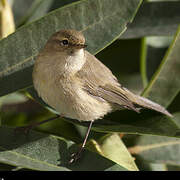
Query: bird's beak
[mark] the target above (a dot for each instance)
(79, 46)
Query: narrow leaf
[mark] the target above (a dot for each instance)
(154, 19)
(157, 149)
(165, 84)
(112, 147)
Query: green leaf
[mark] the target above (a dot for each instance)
(100, 25)
(152, 51)
(173, 167)
(165, 83)
(112, 147)
(13, 98)
(59, 3)
(143, 62)
(30, 10)
(20, 12)
(132, 123)
(38, 9)
(157, 149)
(154, 19)
(39, 151)
(5, 167)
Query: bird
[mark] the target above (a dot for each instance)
(79, 86)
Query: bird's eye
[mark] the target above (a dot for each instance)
(65, 42)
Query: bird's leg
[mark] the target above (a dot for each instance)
(27, 128)
(76, 155)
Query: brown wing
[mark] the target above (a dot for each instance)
(99, 81)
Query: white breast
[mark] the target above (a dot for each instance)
(75, 62)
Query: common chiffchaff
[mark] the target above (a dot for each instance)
(77, 85)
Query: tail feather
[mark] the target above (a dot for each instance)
(144, 102)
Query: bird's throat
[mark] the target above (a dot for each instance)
(75, 61)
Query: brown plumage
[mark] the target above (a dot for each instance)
(101, 82)
(78, 85)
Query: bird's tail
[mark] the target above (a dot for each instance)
(146, 103)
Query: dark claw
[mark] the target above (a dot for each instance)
(75, 156)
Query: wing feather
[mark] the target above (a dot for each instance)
(99, 81)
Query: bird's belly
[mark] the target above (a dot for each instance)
(88, 108)
(74, 103)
